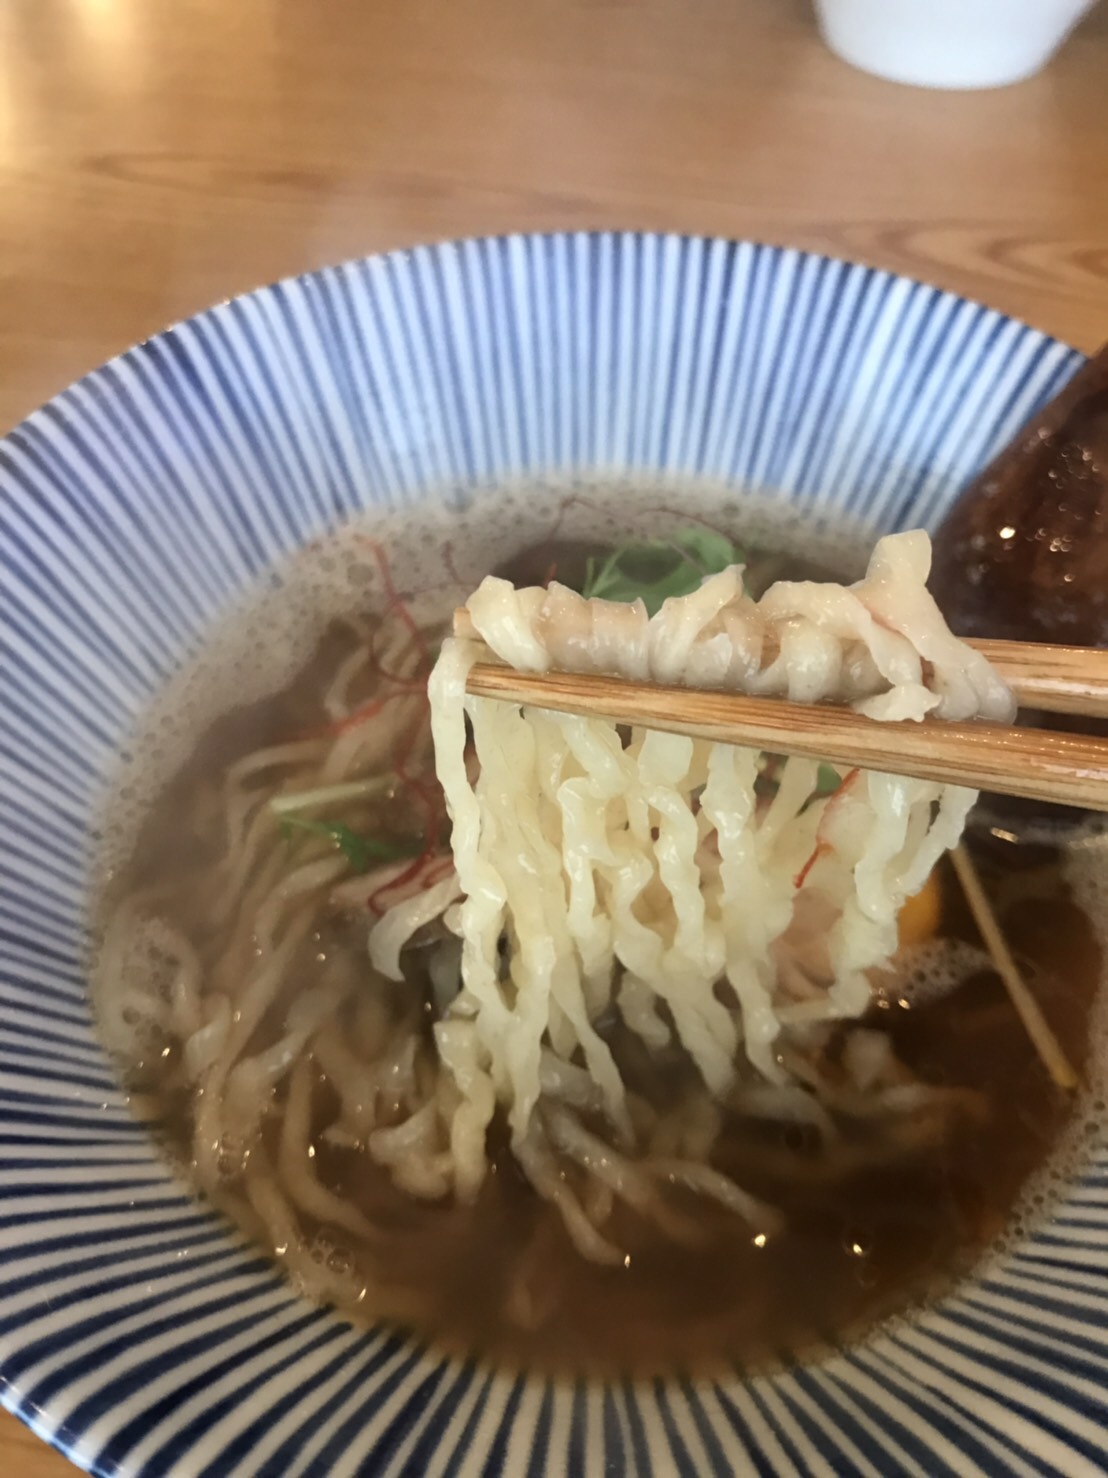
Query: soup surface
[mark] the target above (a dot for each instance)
(880, 1215)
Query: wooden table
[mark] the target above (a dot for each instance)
(157, 155)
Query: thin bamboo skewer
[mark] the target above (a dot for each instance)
(1053, 679)
(1027, 1007)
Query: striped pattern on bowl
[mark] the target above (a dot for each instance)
(136, 1332)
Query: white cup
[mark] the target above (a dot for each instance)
(949, 43)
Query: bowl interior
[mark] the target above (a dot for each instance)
(136, 1332)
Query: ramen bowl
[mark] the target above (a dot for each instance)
(138, 1333)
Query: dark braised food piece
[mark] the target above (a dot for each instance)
(1023, 554)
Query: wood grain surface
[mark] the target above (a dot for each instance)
(158, 155)
(1065, 769)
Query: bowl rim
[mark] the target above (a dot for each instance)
(497, 238)
(9, 1392)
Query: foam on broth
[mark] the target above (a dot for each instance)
(500, 1278)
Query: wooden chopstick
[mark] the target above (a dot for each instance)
(1050, 678)
(1044, 765)
(1053, 679)
(1038, 764)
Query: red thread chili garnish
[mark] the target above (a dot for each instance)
(679, 515)
(441, 870)
(423, 792)
(823, 847)
(359, 716)
(821, 850)
(396, 603)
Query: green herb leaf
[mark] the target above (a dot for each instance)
(711, 550)
(828, 780)
(661, 568)
(360, 851)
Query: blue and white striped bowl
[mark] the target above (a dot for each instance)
(135, 1333)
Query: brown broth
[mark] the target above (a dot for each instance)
(857, 1248)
